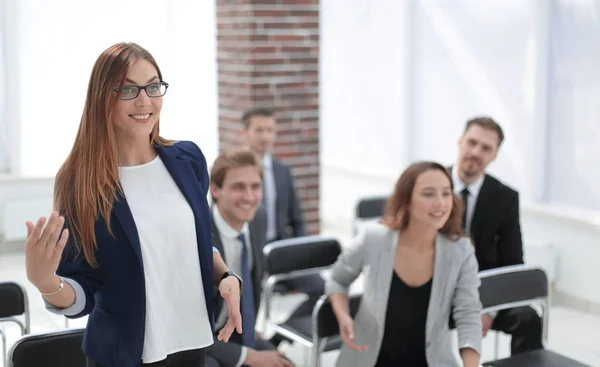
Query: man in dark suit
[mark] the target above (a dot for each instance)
(492, 221)
(284, 216)
(239, 228)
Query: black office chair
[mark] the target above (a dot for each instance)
(325, 328)
(367, 210)
(517, 286)
(13, 304)
(296, 258)
(53, 349)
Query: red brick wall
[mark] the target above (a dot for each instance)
(268, 56)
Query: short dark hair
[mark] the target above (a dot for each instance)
(486, 123)
(249, 114)
(232, 159)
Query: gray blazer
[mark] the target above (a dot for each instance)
(455, 287)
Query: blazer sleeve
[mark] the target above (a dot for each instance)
(294, 212)
(466, 303)
(348, 266)
(510, 243)
(74, 267)
(202, 170)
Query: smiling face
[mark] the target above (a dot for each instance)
(432, 199)
(239, 196)
(135, 118)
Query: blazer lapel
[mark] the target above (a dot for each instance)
(437, 287)
(384, 268)
(123, 214)
(217, 238)
(257, 243)
(480, 206)
(278, 178)
(183, 175)
(187, 181)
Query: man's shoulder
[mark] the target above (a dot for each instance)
(279, 164)
(282, 171)
(260, 215)
(259, 222)
(187, 148)
(499, 187)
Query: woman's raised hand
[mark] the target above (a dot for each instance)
(45, 243)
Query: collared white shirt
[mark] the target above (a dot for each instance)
(232, 247)
(270, 195)
(474, 189)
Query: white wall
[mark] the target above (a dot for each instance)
(400, 79)
(51, 48)
(365, 102)
(400, 89)
(16, 191)
(363, 78)
(574, 234)
(58, 43)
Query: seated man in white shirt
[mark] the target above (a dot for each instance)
(239, 229)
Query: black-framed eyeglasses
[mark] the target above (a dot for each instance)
(153, 90)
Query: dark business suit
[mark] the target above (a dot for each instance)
(496, 233)
(115, 297)
(227, 354)
(288, 220)
(289, 223)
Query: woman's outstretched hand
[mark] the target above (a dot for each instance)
(45, 243)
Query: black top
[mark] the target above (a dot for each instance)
(404, 337)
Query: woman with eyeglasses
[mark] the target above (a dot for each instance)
(136, 253)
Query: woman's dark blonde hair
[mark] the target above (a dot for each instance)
(396, 216)
(88, 183)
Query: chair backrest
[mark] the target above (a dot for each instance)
(52, 349)
(300, 255)
(516, 286)
(293, 258)
(371, 207)
(14, 303)
(368, 210)
(325, 323)
(501, 288)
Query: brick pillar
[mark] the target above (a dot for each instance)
(268, 56)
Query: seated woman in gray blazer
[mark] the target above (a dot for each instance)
(418, 268)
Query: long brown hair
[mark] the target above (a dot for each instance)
(396, 216)
(87, 184)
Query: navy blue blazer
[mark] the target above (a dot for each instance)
(115, 291)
